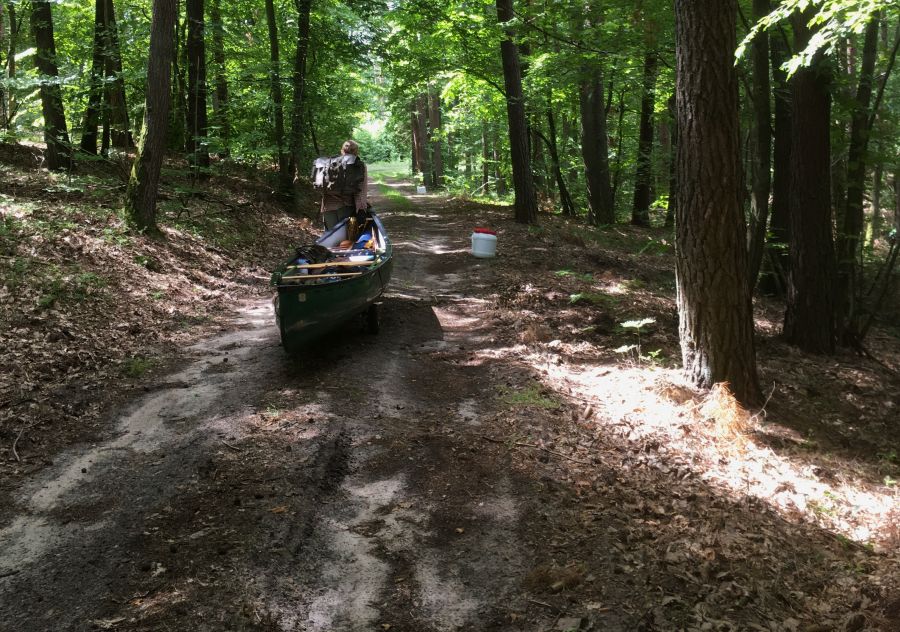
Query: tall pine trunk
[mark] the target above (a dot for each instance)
(525, 199)
(849, 236)
(222, 119)
(56, 134)
(143, 185)
(282, 157)
(640, 211)
(761, 179)
(809, 317)
(197, 148)
(568, 208)
(714, 300)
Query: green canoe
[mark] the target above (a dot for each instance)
(314, 297)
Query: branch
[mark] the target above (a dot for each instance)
(884, 79)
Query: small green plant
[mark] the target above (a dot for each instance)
(157, 295)
(890, 482)
(569, 273)
(137, 366)
(637, 326)
(593, 298)
(655, 247)
(528, 396)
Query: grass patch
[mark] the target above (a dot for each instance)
(593, 298)
(394, 198)
(138, 366)
(529, 396)
(381, 170)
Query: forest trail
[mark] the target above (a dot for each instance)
(346, 490)
(462, 470)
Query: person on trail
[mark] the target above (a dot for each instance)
(337, 205)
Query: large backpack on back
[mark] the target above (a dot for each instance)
(339, 174)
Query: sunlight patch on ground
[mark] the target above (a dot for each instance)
(646, 404)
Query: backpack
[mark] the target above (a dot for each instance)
(339, 174)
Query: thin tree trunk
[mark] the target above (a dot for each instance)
(119, 122)
(424, 156)
(876, 203)
(140, 196)
(499, 179)
(298, 79)
(777, 260)
(282, 157)
(177, 140)
(56, 134)
(4, 114)
(11, 63)
(485, 159)
(98, 71)
(809, 317)
(714, 299)
(220, 100)
(198, 151)
(673, 180)
(640, 211)
(525, 199)
(414, 139)
(434, 123)
(761, 179)
(220, 96)
(568, 208)
(620, 134)
(847, 249)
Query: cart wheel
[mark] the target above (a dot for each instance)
(372, 324)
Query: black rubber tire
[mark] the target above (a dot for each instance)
(373, 326)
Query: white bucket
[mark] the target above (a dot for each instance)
(484, 245)
(420, 190)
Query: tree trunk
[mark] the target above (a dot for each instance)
(197, 148)
(640, 212)
(620, 135)
(525, 199)
(568, 208)
(847, 250)
(714, 299)
(140, 197)
(434, 123)
(4, 122)
(809, 317)
(177, 140)
(117, 108)
(424, 156)
(298, 79)
(220, 97)
(98, 71)
(877, 178)
(13, 49)
(673, 161)
(761, 179)
(414, 139)
(778, 258)
(282, 157)
(595, 149)
(499, 179)
(56, 134)
(485, 159)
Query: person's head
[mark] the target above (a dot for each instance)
(350, 147)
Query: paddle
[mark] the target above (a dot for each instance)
(300, 277)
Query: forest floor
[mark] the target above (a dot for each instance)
(515, 450)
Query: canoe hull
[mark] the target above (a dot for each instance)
(306, 310)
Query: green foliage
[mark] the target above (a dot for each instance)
(530, 395)
(138, 366)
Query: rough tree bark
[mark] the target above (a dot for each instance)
(98, 71)
(809, 317)
(140, 196)
(523, 183)
(119, 124)
(595, 148)
(714, 299)
(197, 148)
(56, 135)
(282, 157)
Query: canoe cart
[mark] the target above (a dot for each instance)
(339, 277)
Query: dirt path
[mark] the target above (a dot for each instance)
(342, 491)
